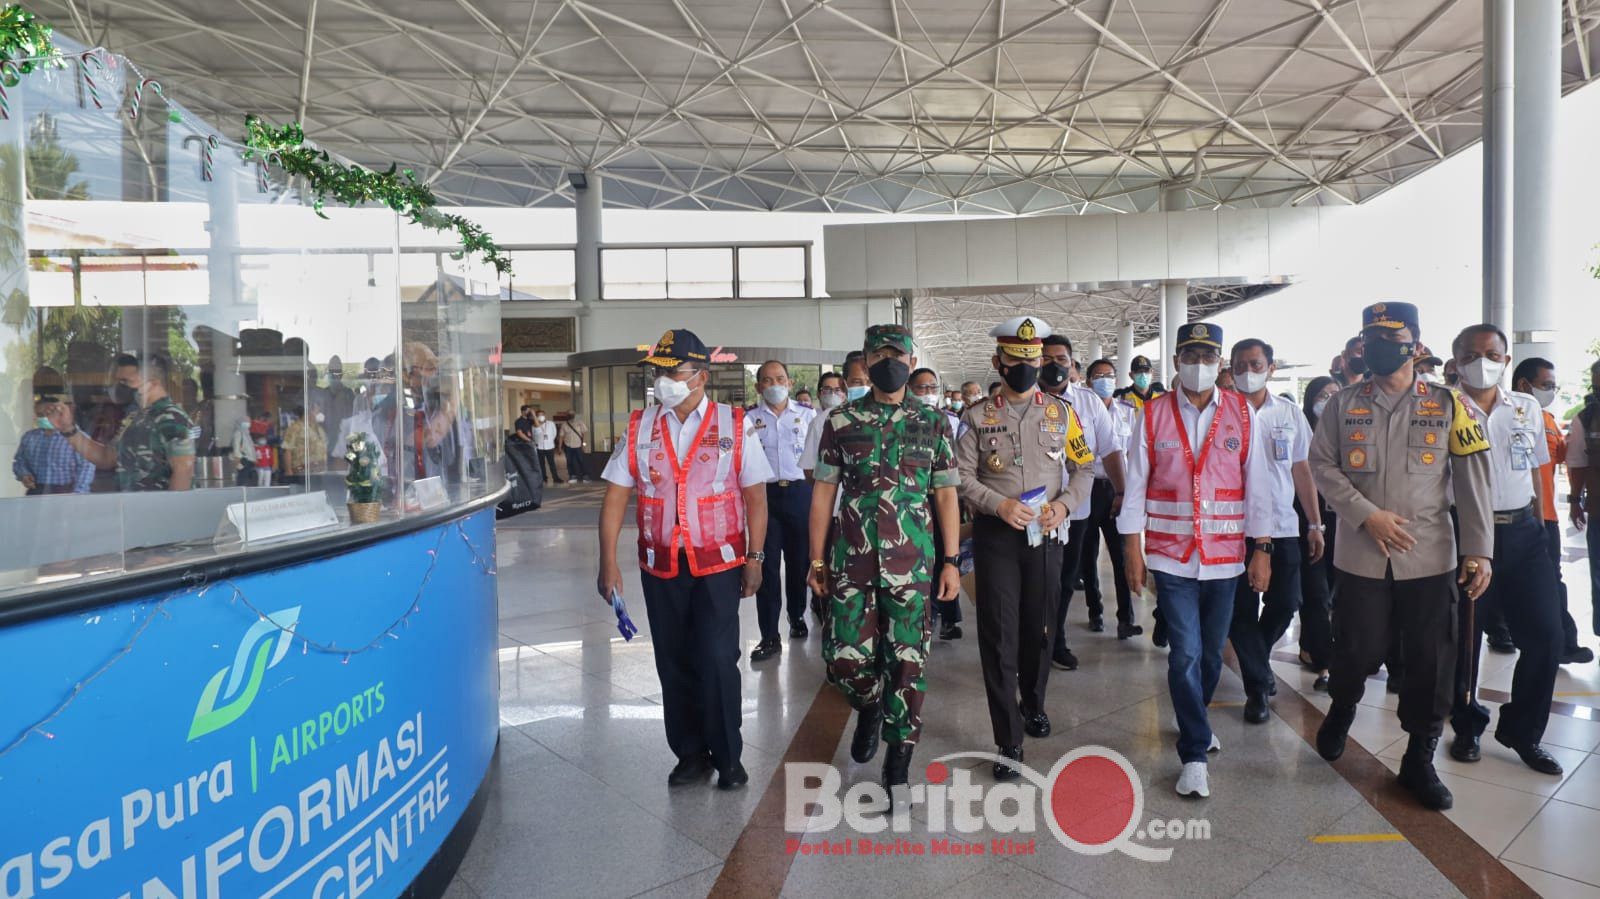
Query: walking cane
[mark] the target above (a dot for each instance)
(1478, 715)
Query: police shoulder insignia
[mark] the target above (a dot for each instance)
(1052, 411)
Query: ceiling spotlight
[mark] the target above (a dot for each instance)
(578, 180)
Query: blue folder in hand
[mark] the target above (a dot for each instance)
(625, 625)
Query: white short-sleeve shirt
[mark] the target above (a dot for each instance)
(1517, 447)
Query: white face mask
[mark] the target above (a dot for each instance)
(776, 395)
(1250, 381)
(830, 399)
(1545, 396)
(1482, 373)
(929, 399)
(1320, 406)
(671, 393)
(1198, 378)
(321, 418)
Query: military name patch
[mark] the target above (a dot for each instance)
(1001, 429)
(1167, 444)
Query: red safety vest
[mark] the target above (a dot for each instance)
(693, 505)
(1189, 497)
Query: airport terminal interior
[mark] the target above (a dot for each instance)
(586, 448)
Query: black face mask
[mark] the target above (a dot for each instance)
(1020, 378)
(123, 395)
(1356, 366)
(1053, 375)
(1385, 357)
(889, 375)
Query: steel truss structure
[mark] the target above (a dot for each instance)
(950, 106)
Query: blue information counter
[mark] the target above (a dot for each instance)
(319, 728)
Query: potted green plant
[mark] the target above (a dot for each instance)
(363, 482)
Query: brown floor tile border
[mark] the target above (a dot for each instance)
(1471, 868)
(758, 864)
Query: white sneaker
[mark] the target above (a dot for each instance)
(1194, 781)
(1216, 744)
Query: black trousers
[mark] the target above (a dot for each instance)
(1569, 628)
(1525, 591)
(547, 462)
(1316, 596)
(1259, 619)
(1364, 619)
(1018, 586)
(1102, 527)
(788, 543)
(694, 627)
(1071, 559)
(575, 467)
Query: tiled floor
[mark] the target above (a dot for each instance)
(581, 807)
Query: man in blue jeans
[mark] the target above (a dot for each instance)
(1198, 483)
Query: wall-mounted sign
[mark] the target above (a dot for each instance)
(539, 335)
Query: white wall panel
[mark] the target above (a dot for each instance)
(1142, 246)
(1292, 239)
(1192, 244)
(1092, 248)
(941, 254)
(992, 252)
(891, 256)
(844, 249)
(1042, 249)
(1242, 249)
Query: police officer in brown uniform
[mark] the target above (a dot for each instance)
(1018, 441)
(1387, 452)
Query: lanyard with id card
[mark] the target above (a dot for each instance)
(1282, 439)
(1522, 455)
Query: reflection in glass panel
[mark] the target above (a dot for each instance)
(699, 272)
(633, 274)
(772, 272)
(543, 275)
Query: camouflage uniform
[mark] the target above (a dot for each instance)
(147, 441)
(888, 460)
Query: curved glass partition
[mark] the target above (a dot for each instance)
(190, 350)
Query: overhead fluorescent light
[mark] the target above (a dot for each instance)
(542, 382)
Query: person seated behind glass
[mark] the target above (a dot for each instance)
(154, 445)
(45, 462)
(305, 446)
(429, 442)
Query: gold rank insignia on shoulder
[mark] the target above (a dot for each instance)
(995, 463)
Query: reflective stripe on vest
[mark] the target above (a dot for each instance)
(688, 505)
(1188, 497)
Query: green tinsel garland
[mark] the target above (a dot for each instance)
(399, 190)
(25, 45)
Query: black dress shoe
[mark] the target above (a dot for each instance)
(732, 778)
(1124, 631)
(1321, 683)
(1465, 748)
(897, 765)
(1003, 771)
(1256, 710)
(869, 721)
(1332, 734)
(950, 632)
(693, 769)
(1579, 655)
(1097, 623)
(1158, 635)
(764, 650)
(1533, 755)
(798, 629)
(1036, 725)
(1064, 659)
(1502, 643)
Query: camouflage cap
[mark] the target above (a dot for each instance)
(897, 336)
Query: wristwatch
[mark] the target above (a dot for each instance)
(1264, 546)
(818, 564)
(1317, 526)
(951, 560)
(757, 556)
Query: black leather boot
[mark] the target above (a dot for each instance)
(897, 765)
(1333, 732)
(864, 745)
(1418, 776)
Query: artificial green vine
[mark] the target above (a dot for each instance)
(352, 185)
(25, 45)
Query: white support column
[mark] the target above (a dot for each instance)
(1497, 161)
(1095, 352)
(229, 403)
(589, 236)
(1174, 293)
(1124, 352)
(1537, 86)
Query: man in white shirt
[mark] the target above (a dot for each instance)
(1099, 432)
(781, 426)
(696, 562)
(1207, 449)
(1260, 618)
(833, 390)
(1530, 600)
(544, 440)
(1106, 503)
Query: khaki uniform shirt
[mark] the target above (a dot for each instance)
(1404, 453)
(1007, 449)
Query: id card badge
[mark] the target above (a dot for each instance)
(649, 557)
(1521, 451)
(1281, 440)
(727, 553)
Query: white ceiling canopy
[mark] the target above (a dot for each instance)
(957, 106)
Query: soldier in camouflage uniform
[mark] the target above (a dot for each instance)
(154, 447)
(887, 452)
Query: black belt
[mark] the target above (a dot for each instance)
(794, 483)
(1514, 516)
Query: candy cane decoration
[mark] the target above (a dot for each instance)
(10, 76)
(138, 96)
(90, 56)
(261, 175)
(207, 173)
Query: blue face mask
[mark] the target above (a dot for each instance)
(855, 393)
(1142, 380)
(44, 423)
